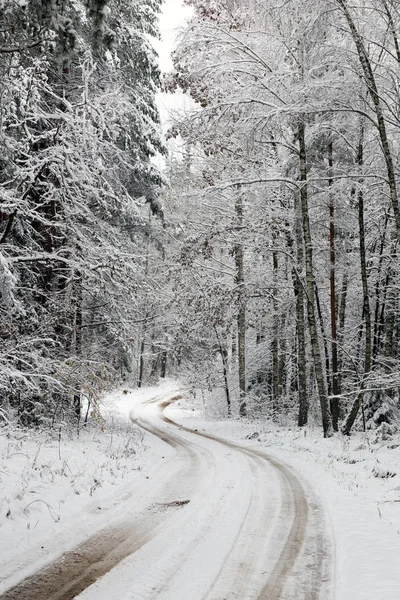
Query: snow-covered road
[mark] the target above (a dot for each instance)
(218, 522)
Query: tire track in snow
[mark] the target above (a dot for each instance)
(302, 562)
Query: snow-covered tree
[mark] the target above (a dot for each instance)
(79, 129)
(297, 109)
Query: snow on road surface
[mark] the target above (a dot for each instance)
(217, 521)
(205, 509)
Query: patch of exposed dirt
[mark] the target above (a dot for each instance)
(76, 570)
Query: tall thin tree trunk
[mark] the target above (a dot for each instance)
(376, 334)
(324, 339)
(341, 321)
(141, 361)
(351, 417)
(300, 320)
(241, 316)
(275, 344)
(382, 311)
(282, 356)
(144, 329)
(390, 319)
(334, 401)
(78, 338)
(312, 322)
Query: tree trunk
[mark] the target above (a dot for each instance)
(376, 334)
(282, 370)
(341, 321)
(324, 339)
(155, 360)
(300, 320)
(382, 312)
(234, 343)
(335, 391)
(164, 356)
(8, 227)
(78, 339)
(242, 360)
(225, 369)
(390, 319)
(241, 317)
(366, 303)
(312, 323)
(275, 345)
(141, 362)
(144, 329)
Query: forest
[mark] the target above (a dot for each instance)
(251, 248)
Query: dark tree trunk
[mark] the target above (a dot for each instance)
(351, 417)
(241, 317)
(141, 363)
(335, 391)
(275, 343)
(282, 368)
(78, 338)
(8, 227)
(300, 319)
(378, 292)
(341, 320)
(324, 339)
(312, 322)
(164, 356)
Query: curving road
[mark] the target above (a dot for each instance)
(221, 522)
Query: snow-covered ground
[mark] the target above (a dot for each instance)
(58, 488)
(56, 491)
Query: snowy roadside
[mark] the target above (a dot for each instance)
(58, 488)
(357, 480)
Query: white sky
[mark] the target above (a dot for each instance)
(173, 17)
